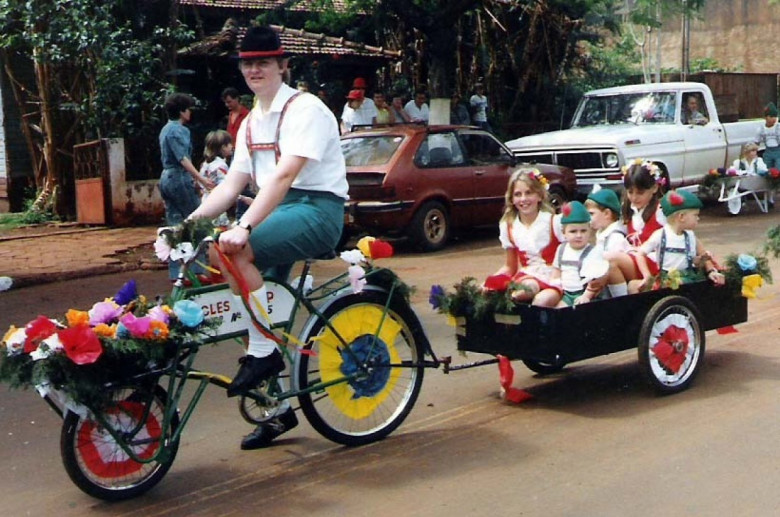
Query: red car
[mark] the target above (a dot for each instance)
(425, 181)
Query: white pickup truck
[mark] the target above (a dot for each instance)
(612, 126)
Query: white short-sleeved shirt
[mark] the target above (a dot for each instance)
(421, 113)
(364, 115)
(309, 130)
(672, 260)
(745, 168)
(534, 238)
(480, 104)
(215, 170)
(613, 238)
(571, 278)
(769, 136)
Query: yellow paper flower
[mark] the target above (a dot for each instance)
(364, 245)
(104, 330)
(750, 284)
(76, 318)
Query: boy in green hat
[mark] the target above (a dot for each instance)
(769, 135)
(581, 268)
(603, 205)
(676, 246)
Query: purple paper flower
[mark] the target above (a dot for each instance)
(138, 327)
(104, 312)
(157, 313)
(437, 293)
(127, 293)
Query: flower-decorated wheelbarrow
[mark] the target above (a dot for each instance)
(667, 326)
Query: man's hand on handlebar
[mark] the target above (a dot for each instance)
(233, 240)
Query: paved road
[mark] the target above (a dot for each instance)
(594, 441)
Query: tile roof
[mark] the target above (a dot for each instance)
(264, 5)
(295, 41)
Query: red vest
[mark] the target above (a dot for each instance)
(547, 253)
(650, 226)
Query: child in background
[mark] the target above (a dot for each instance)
(748, 164)
(641, 209)
(529, 232)
(219, 146)
(603, 206)
(676, 245)
(578, 261)
(383, 113)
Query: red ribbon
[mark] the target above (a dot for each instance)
(506, 375)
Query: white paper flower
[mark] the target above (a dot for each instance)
(352, 257)
(47, 347)
(162, 249)
(357, 278)
(182, 251)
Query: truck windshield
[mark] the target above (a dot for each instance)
(627, 108)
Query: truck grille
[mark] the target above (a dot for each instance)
(580, 160)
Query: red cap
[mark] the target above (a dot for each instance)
(355, 95)
(359, 82)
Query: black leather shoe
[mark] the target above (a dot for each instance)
(253, 370)
(264, 433)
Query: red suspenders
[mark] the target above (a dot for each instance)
(266, 146)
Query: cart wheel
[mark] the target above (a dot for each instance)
(543, 367)
(377, 349)
(257, 412)
(99, 466)
(671, 344)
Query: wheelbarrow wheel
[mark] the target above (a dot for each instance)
(671, 344)
(97, 463)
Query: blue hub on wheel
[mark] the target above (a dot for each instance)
(366, 350)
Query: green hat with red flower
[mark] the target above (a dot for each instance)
(574, 212)
(606, 198)
(676, 200)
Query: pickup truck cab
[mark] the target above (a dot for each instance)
(674, 125)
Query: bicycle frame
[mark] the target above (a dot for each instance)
(285, 304)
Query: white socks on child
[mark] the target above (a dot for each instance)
(616, 290)
(259, 345)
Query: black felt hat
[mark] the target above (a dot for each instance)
(261, 42)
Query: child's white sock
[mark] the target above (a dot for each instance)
(259, 345)
(616, 290)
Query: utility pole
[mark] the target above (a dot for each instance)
(685, 67)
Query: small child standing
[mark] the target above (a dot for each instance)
(219, 147)
(603, 206)
(676, 245)
(576, 260)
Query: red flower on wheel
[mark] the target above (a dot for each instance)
(672, 348)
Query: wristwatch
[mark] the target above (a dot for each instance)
(245, 225)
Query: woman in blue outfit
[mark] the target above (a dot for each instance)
(179, 175)
(289, 146)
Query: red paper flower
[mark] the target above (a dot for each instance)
(672, 348)
(497, 282)
(38, 330)
(676, 199)
(81, 344)
(774, 172)
(380, 249)
(566, 210)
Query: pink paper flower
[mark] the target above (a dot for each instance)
(104, 312)
(138, 327)
(157, 313)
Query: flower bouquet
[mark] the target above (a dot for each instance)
(77, 357)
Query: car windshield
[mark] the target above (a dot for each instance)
(369, 150)
(627, 108)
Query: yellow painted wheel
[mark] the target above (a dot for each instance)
(368, 363)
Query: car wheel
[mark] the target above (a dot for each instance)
(430, 228)
(557, 197)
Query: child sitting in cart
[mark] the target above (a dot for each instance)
(748, 164)
(603, 206)
(579, 265)
(676, 245)
(530, 233)
(641, 213)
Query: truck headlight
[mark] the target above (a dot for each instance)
(611, 160)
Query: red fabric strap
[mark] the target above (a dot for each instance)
(261, 53)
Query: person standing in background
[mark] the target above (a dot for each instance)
(237, 112)
(417, 109)
(459, 113)
(479, 107)
(769, 135)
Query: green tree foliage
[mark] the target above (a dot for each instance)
(99, 68)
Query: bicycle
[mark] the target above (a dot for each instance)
(356, 376)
